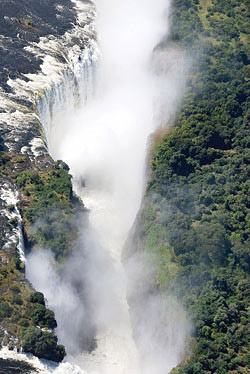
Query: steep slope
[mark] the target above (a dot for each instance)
(194, 223)
(41, 43)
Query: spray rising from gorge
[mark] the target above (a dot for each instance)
(104, 142)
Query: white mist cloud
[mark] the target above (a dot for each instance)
(62, 296)
(161, 327)
(105, 144)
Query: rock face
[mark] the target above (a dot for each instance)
(43, 43)
(15, 367)
(46, 18)
(32, 61)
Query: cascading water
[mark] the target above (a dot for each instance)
(98, 119)
(75, 87)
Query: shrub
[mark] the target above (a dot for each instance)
(13, 221)
(15, 289)
(19, 265)
(43, 317)
(5, 310)
(24, 322)
(16, 299)
(4, 158)
(37, 297)
(42, 344)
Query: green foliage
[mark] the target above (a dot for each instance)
(39, 313)
(52, 207)
(15, 289)
(49, 212)
(5, 310)
(23, 322)
(42, 344)
(185, 25)
(4, 158)
(61, 165)
(17, 299)
(29, 22)
(37, 297)
(20, 159)
(58, 181)
(196, 216)
(43, 317)
(13, 221)
(19, 265)
(21, 310)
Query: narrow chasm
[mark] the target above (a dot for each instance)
(98, 107)
(134, 88)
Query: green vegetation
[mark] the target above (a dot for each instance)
(5, 310)
(49, 209)
(43, 317)
(13, 221)
(197, 210)
(23, 314)
(4, 158)
(37, 297)
(42, 344)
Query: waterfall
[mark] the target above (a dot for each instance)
(74, 89)
(9, 195)
(74, 95)
(97, 113)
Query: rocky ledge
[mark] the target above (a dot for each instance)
(40, 41)
(15, 367)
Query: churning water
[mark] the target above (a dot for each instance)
(97, 117)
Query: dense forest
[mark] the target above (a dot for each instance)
(196, 215)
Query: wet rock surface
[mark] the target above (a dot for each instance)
(40, 41)
(30, 34)
(15, 367)
(51, 17)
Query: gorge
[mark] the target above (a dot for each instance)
(97, 116)
(138, 236)
(104, 143)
